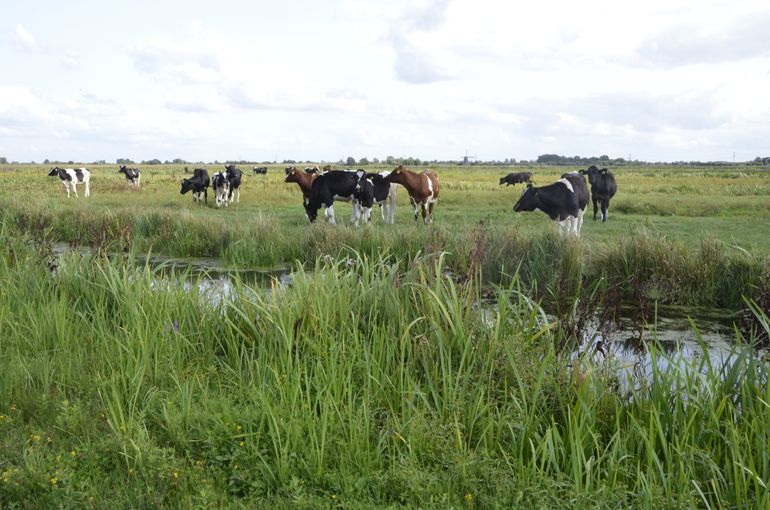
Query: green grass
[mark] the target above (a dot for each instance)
(377, 379)
(369, 382)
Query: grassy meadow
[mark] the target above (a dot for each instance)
(404, 366)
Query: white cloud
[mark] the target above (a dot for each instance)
(25, 40)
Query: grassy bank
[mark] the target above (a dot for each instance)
(373, 382)
(641, 266)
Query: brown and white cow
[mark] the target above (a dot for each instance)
(422, 188)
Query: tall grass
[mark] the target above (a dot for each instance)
(370, 381)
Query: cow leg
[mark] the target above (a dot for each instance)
(596, 205)
(355, 214)
(605, 206)
(415, 208)
(330, 215)
(430, 211)
(579, 220)
(75, 190)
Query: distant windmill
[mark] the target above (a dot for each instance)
(466, 158)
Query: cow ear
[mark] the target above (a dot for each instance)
(582, 172)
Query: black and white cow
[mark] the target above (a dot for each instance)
(221, 187)
(234, 175)
(70, 177)
(558, 200)
(312, 169)
(198, 184)
(259, 170)
(363, 199)
(331, 186)
(516, 178)
(581, 190)
(133, 175)
(603, 188)
(385, 194)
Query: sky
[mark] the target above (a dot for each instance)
(660, 80)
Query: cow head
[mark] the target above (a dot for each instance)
(528, 201)
(186, 186)
(54, 171)
(291, 174)
(361, 175)
(397, 175)
(592, 172)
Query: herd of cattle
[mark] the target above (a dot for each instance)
(564, 201)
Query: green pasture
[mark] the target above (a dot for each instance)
(686, 203)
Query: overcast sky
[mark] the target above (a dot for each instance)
(323, 80)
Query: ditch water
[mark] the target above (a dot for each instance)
(681, 333)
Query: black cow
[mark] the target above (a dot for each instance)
(516, 178)
(603, 188)
(259, 170)
(234, 178)
(558, 200)
(327, 187)
(133, 175)
(198, 183)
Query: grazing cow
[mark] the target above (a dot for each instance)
(199, 184)
(133, 175)
(384, 196)
(558, 200)
(336, 185)
(70, 177)
(312, 169)
(422, 188)
(363, 199)
(303, 180)
(259, 170)
(234, 178)
(516, 178)
(221, 188)
(581, 191)
(603, 188)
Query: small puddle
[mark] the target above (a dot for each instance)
(214, 280)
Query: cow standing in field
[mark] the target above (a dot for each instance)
(337, 185)
(259, 170)
(133, 175)
(70, 177)
(581, 191)
(198, 183)
(384, 196)
(516, 178)
(558, 200)
(603, 188)
(221, 187)
(312, 169)
(234, 175)
(422, 187)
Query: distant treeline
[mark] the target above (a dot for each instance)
(543, 159)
